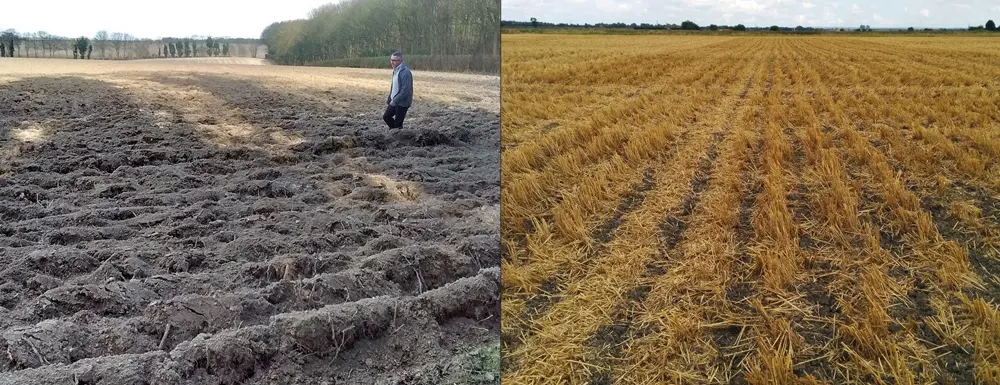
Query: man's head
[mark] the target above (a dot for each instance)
(396, 59)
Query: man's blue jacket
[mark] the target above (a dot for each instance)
(403, 82)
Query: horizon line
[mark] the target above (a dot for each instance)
(745, 24)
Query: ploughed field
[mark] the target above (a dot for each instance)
(750, 209)
(173, 222)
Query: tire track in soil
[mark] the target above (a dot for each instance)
(815, 334)
(539, 303)
(609, 339)
(920, 297)
(958, 363)
(954, 229)
(607, 342)
(817, 291)
(892, 242)
(741, 288)
(550, 291)
(728, 340)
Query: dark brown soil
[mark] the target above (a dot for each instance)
(740, 288)
(136, 248)
(955, 367)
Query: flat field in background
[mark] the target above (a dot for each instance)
(202, 221)
(750, 209)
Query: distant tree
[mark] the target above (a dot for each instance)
(209, 43)
(101, 39)
(117, 43)
(740, 27)
(689, 25)
(166, 51)
(75, 55)
(80, 45)
(90, 49)
(774, 28)
(187, 48)
(173, 49)
(12, 39)
(225, 49)
(713, 27)
(841, 30)
(3, 49)
(534, 22)
(194, 48)
(159, 52)
(910, 29)
(991, 26)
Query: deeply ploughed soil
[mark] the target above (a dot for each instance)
(245, 224)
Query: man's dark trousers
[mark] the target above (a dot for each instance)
(394, 116)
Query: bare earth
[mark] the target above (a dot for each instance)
(182, 221)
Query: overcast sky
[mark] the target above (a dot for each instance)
(808, 13)
(147, 19)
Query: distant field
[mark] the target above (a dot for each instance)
(205, 221)
(757, 209)
(473, 90)
(212, 60)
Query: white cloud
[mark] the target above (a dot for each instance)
(876, 17)
(926, 12)
(742, 6)
(856, 10)
(614, 6)
(808, 5)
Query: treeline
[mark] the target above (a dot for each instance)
(119, 45)
(189, 48)
(688, 25)
(990, 26)
(460, 34)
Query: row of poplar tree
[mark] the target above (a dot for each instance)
(82, 47)
(188, 47)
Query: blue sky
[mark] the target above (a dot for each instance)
(147, 19)
(815, 13)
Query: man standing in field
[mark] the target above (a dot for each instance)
(401, 93)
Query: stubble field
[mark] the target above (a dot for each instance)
(755, 209)
(175, 221)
